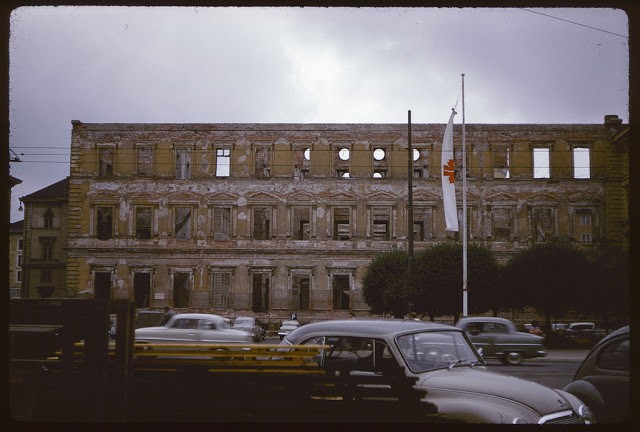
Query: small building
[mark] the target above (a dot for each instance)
(44, 256)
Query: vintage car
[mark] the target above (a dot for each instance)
(499, 338)
(446, 364)
(603, 378)
(250, 325)
(194, 328)
(287, 327)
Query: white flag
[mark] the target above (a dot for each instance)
(448, 176)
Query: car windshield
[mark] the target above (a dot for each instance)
(243, 321)
(436, 350)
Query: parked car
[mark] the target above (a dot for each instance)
(499, 338)
(194, 328)
(446, 365)
(250, 325)
(286, 327)
(559, 326)
(603, 378)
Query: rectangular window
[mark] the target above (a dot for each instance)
(501, 162)
(182, 289)
(380, 223)
(585, 219)
(46, 248)
(262, 162)
(220, 290)
(48, 218)
(45, 276)
(105, 168)
(581, 163)
(18, 275)
(145, 161)
(341, 223)
(20, 244)
(221, 223)
(182, 227)
(541, 163)
(544, 224)
(143, 222)
(501, 218)
(183, 163)
(261, 223)
(422, 223)
(19, 261)
(223, 162)
(104, 223)
(584, 226)
(341, 292)
(585, 238)
(301, 223)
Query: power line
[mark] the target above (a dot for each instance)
(574, 22)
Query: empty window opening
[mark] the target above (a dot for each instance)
(341, 292)
(141, 289)
(223, 162)
(541, 163)
(379, 154)
(183, 164)
(262, 223)
(261, 282)
(300, 292)
(181, 289)
(501, 163)
(421, 224)
(380, 223)
(102, 286)
(220, 290)
(145, 161)
(379, 173)
(581, 163)
(544, 224)
(143, 222)
(262, 162)
(221, 223)
(418, 230)
(104, 223)
(301, 224)
(105, 168)
(501, 224)
(182, 222)
(341, 224)
(344, 154)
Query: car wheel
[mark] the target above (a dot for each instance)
(512, 358)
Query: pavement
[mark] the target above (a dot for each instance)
(563, 355)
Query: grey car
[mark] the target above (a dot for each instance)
(193, 328)
(287, 327)
(446, 365)
(499, 338)
(250, 325)
(603, 378)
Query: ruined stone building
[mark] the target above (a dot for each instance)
(287, 217)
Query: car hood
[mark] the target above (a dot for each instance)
(479, 382)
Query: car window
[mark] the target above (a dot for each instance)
(490, 327)
(185, 323)
(614, 356)
(243, 321)
(206, 325)
(355, 353)
(433, 350)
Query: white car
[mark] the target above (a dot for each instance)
(194, 328)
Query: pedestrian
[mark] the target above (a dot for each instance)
(168, 313)
(535, 328)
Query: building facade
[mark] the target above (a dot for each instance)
(287, 217)
(44, 257)
(16, 248)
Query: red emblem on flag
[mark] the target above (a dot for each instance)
(449, 171)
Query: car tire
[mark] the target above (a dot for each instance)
(512, 358)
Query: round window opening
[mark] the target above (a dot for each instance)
(344, 154)
(378, 154)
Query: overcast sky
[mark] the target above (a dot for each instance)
(302, 65)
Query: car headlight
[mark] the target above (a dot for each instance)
(586, 414)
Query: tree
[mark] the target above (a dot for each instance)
(438, 279)
(385, 285)
(610, 295)
(550, 277)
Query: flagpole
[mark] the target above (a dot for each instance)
(464, 211)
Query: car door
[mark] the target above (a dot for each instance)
(479, 333)
(209, 331)
(498, 337)
(182, 330)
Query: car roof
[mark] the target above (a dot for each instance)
(365, 327)
(200, 316)
(485, 319)
(614, 334)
